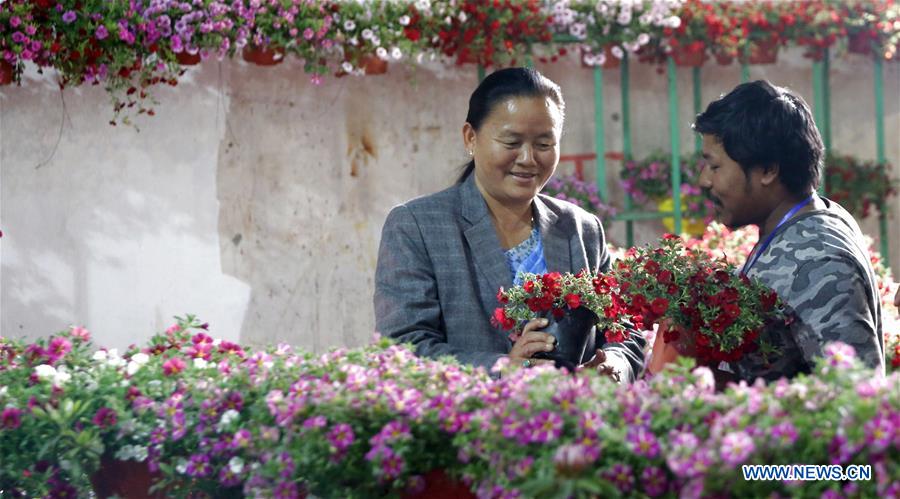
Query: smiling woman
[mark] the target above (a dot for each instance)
(444, 257)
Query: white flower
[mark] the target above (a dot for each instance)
(462, 17)
(200, 363)
(61, 377)
(448, 20)
(376, 41)
(349, 25)
(396, 53)
(229, 417)
(381, 52)
(132, 368)
(624, 17)
(140, 358)
(45, 371)
(674, 22)
(354, 41)
(404, 20)
(236, 465)
(347, 67)
(3, 391)
(643, 39)
(367, 34)
(99, 355)
(617, 52)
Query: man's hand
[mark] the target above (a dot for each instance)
(598, 363)
(663, 353)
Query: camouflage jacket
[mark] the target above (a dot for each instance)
(818, 263)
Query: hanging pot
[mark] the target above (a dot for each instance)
(185, 58)
(126, 479)
(572, 332)
(860, 43)
(373, 65)
(688, 57)
(763, 52)
(263, 56)
(7, 71)
(437, 485)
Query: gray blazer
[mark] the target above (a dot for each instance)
(440, 265)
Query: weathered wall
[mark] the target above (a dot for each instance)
(255, 199)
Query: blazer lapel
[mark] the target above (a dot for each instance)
(483, 241)
(556, 243)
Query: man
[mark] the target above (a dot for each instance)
(764, 156)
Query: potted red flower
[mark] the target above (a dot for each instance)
(710, 312)
(573, 303)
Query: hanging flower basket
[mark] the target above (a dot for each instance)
(126, 479)
(263, 56)
(763, 52)
(6, 72)
(185, 58)
(724, 59)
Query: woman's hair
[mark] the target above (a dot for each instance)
(760, 125)
(502, 85)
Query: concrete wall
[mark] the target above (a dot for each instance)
(255, 199)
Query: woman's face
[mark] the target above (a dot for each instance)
(516, 150)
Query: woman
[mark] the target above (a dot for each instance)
(443, 257)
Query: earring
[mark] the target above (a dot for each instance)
(470, 152)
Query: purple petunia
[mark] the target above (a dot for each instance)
(643, 442)
(654, 481)
(69, 17)
(11, 418)
(736, 448)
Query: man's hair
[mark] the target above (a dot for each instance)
(759, 125)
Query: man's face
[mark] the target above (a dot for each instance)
(734, 193)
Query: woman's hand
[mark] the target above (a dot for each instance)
(530, 342)
(663, 353)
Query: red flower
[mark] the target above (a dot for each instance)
(412, 34)
(573, 300)
(501, 297)
(528, 287)
(659, 306)
(664, 277)
(614, 336)
(558, 313)
(500, 319)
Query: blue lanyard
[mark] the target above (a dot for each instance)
(787, 216)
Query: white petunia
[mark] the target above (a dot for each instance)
(404, 20)
(347, 67)
(367, 34)
(349, 25)
(140, 358)
(236, 465)
(45, 371)
(381, 52)
(200, 363)
(99, 355)
(396, 53)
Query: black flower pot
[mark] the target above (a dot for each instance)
(572, 332)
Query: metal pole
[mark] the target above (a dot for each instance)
(675, 138)
(599, 134)
(626, 144)
(698, 142)
(819, 110)
(882, 158)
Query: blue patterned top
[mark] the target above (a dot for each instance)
(527, 257)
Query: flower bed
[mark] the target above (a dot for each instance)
(215, 419)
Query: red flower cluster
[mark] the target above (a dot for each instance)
(715, 314)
